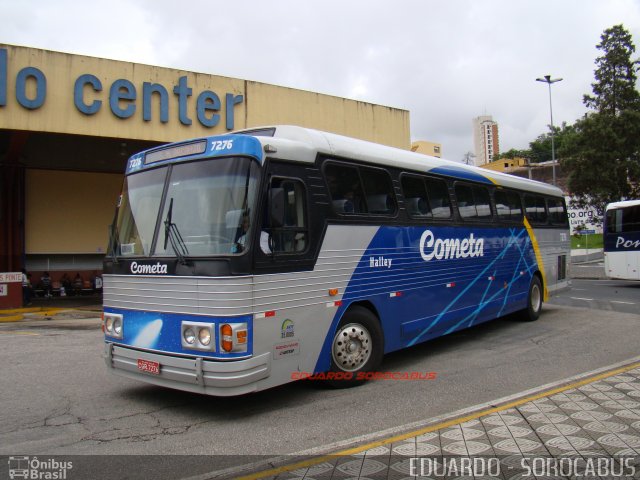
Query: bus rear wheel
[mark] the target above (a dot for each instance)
(534, 300)
(357, 348)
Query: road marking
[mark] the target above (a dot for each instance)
(579, 298)
(623, 303)
(455, 421)
(17, 332)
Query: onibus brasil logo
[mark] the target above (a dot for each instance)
(36, 469)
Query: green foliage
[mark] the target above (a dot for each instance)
(540, 148)
(513, 153)
(587, 241)
(615, 86)
(602, 152)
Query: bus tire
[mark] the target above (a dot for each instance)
(357, 348)
(534, 301)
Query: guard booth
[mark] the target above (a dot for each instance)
(10, 290)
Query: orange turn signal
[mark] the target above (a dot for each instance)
(227, 337)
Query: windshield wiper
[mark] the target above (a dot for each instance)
(172, 235)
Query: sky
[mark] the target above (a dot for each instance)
(446, 62)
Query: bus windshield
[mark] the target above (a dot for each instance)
(206, 209)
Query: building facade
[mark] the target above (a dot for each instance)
(427, 148)
(486, 141)
(68, 123)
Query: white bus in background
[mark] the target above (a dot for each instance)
(622, 240)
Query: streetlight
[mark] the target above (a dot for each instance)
(548, 80)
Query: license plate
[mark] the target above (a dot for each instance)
(149, 366)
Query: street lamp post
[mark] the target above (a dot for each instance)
(548, 80)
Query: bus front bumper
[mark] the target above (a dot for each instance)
(198, 375)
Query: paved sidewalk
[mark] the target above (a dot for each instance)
(589, 428)
(54, 308)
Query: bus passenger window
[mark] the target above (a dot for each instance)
(483, 202)
(379, 191)
(534, 207)
(508, 206)
(345, 189)
(415, 197)
(557, 214)
(292, 235)
(473, 202)
(631, 219)
(439, 198)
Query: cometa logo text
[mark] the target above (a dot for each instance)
(450, 248)
(157, 269)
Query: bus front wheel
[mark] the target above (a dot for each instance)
(357, 348)
(534, 300)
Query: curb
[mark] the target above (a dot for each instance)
(11, 318)
(18, 314)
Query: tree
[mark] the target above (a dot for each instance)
(513, 153)
(615, 86)
(602, 153)
(540, 148)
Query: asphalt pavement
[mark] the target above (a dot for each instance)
(585, 426)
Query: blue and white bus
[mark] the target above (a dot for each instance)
(239, 262)
(622, 240)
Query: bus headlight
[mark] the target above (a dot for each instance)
(198, 336)
(189, 336)
(204, 335)
(117, 326)
(114, 325)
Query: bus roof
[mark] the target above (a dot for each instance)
(622, 204)
(299, 144)
(303, 144)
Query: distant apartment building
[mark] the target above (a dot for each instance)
(485, 139)
(427, 148)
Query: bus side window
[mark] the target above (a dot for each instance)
(614, 221)
(288, 231)
(474, 202)
(508, 206)
(378, 190)
(345, 189)
(535, 209)
(415, 197)
(631, 219)
(439, 201)
(557, 214)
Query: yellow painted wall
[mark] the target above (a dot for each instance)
(262, 104)
(505, 165)
(427, 148)
(69, 212)
(269, 104)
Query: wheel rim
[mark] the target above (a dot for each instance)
(536, 298)
(351, 347)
